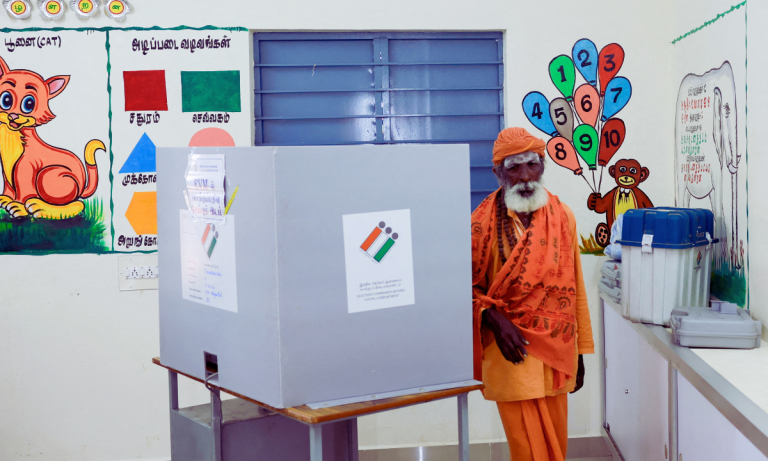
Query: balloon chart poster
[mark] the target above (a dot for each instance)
(585, 132)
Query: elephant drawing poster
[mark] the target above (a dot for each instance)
(710, 150)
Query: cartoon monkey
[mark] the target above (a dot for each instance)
(625, 196)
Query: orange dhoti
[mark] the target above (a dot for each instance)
(536, 429)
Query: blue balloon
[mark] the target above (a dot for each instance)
(585, 57)
(536, 108)
(617, 95)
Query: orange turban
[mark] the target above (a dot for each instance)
(513, 141)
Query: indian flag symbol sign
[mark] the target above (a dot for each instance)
(378, 256)
(379, 242)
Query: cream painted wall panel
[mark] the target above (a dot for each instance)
(78, 383)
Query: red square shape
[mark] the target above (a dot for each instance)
(145, 90)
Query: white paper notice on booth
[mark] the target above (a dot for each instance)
(208, 274)
(378, 254)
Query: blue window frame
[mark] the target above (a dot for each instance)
(382, 88)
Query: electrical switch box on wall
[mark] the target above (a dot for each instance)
(137, 272)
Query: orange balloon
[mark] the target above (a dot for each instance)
(587, 103)
(561, 151)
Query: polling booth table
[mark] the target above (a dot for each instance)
(312, 278)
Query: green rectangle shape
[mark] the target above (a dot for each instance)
(383, 250)
(214, 91)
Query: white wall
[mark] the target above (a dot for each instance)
(757, 140)
(77, 381)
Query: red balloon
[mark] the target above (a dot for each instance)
(610, 61)
(611, 139)
(561, 151)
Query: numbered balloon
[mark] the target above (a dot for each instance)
(612, 138)
(536, 108)
(609, 63)
(561, 152)
(617, 95)
(585, 58)
(586, 142)
(563, 75)
(587, 103)
(562, 116)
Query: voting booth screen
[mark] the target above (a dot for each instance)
(334, 272)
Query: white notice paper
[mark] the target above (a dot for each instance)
(205, 172)
(205, 192)
(208, 274)
(379, 260)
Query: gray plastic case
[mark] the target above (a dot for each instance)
(292, 340)
(702, 327)
(607, 286)
(611, 270)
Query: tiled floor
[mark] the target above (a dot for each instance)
(580, 449)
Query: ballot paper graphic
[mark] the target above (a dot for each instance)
(378, 253)
(379, 242)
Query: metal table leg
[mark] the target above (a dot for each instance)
(316, 442)
(463, 403)
(352, 440)
(173, 390)
(216, 420)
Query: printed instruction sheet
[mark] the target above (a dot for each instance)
(208, 271)
(379, 260)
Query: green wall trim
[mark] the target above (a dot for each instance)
(111, 153)
(733, 8)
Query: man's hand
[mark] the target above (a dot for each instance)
(592, 200)
(510, 340)
(579, 374)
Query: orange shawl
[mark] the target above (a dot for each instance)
(535, 289)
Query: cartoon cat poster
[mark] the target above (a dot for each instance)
(54, 134)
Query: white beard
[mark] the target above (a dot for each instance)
(520, 204)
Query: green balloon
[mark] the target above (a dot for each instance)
(563, 75)
(586, 142)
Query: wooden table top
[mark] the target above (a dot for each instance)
(324, 415)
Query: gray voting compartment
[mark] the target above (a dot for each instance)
(346, 272)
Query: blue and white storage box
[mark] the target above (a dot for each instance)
(666, 261)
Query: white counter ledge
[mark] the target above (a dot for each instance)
(734, 381)
(746, 369)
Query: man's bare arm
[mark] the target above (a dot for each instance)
(508, 336)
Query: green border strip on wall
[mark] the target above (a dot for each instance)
(733, 8)
(746, 136)
(111, 153)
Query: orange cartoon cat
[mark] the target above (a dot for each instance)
(39, 179)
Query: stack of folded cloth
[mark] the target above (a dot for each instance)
(610, 281)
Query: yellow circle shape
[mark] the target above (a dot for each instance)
(116, 7)
(18, 8)
(86, 6)
(53, 7)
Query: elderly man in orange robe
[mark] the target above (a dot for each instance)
(531, 319)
